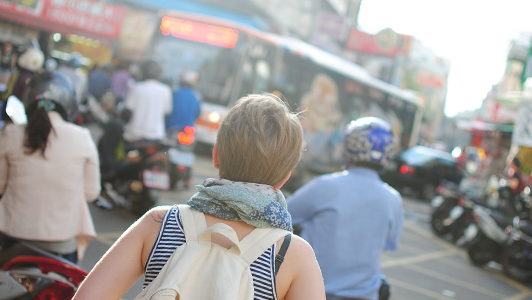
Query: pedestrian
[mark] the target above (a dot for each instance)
(259, 143)
(48, 172)
(186, 103)
(351, 217)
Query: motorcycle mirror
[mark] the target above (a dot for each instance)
(15, 110)
(515, 222)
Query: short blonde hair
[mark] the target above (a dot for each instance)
(259, 141)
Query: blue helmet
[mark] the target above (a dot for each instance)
(369, 140)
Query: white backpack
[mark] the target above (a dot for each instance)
(202, 270)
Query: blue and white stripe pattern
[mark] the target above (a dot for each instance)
(172, 236)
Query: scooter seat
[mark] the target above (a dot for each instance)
(526, 227)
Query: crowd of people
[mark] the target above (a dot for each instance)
(50, 170)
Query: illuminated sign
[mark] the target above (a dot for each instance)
(199, 32)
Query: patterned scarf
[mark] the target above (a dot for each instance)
(259, 205)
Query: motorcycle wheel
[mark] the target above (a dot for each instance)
(144, 202)
(458, 230)
(479, 252)
(436, 222)
(515, 264)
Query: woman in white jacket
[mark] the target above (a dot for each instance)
(49, 169)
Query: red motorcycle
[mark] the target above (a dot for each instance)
(28, 272)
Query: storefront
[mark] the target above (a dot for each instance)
(66, 26)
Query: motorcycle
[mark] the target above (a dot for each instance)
(447, 197)
(181, 155)
(137, 177)
(502, 238)
(27, 272)
(131, 173)
(452, 213)
(517, 256)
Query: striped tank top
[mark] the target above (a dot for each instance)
(172, 236)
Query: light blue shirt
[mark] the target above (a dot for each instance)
(349, 218)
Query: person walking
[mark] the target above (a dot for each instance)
(49, 170)
(351, 217)
(259, 143)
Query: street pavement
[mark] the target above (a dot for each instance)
(424, 267)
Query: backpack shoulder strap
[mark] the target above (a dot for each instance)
(258, 241)
(279, 258)
(194, 222)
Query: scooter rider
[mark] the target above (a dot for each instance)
(186, 103)
(350, 217)
(149, 102)
(28, 63)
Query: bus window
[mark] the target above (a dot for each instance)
(262, 76)
(217, 76)
(216, 60)
(246, 83)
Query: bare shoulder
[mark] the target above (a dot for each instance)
(300, 248)
(152, 219)
(155, 216)
(158, 213)
(300, 275)
(299, 252)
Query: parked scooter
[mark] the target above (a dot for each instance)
(517, 256)
(181, 155)
(447, 197)
(501, 239)
(27, 272)
(452, 213)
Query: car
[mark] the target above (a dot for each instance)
(422, 169)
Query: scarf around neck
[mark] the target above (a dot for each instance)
(256, 204)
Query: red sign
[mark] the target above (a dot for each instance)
(85, 17)
(367, 43)
(199, 32)
(431, 80)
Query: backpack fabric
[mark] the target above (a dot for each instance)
(201, 269)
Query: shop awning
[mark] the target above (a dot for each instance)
(94, 19)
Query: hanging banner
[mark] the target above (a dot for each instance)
(137, 30)
(83, 17)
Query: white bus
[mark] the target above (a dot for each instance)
(234, 60)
